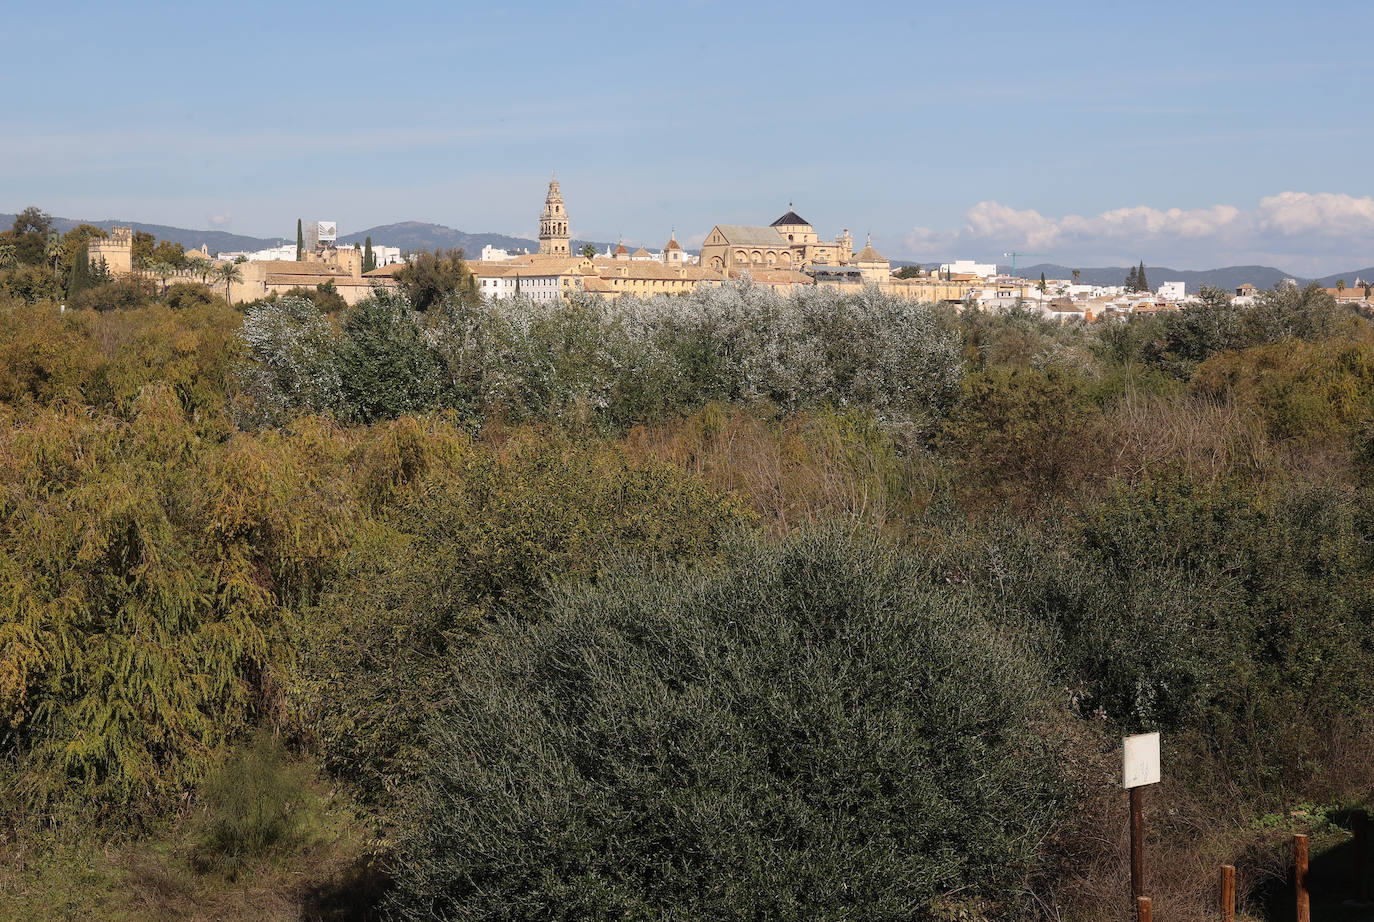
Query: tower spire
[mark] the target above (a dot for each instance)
(554, 237)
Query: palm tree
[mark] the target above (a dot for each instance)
(229, 273)
(163, 271)
(200, 266)
(1340, 284)
(53, 249)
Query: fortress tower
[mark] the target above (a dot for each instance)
(553, 224)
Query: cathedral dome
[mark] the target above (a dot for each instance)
(791, 219)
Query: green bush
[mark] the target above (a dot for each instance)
(803, 733)
(1242, 627)
(386, 366)
(184, 295)
(253, 805)
(120, 295)
(1023, 433)
(475, 531)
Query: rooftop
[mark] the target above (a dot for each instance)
(791, 219)
(748, 235)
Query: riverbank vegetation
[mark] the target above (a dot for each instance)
(732, 606)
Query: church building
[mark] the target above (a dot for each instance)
(790, 242)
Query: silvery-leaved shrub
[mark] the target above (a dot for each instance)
(292, 365)
(605, 363)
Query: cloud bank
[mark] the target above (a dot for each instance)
(1308, 233)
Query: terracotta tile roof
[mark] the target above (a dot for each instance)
(746, 235)
(302, 280)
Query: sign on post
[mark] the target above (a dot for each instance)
(1139, 767)
(1140, 760)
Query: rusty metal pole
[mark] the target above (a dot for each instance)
(1361, 821)
(1137, 843)
(1228, 893)
(1303, 903)
(1143, 909)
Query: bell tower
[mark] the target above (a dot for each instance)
(553, 224)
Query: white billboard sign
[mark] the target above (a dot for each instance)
(1140, 760)
(328, 231)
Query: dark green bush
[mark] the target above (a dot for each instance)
(185, 295)
(254, 805)
(484, 530)
(804, 733)
(120, 295)
(1239, 625)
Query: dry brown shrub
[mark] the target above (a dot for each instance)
(800, 469)
(1206, 439)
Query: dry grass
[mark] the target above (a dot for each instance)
(798, 470)
(1205, 439)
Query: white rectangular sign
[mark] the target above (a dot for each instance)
(1140, 760)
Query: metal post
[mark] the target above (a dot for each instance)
(1228, 893)
(1143, 909)
(1303, 903)
(1137, 843)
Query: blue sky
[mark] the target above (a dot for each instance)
(1185, 134)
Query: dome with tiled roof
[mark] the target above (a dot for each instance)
(620, 248)
(672, 242)
(868, 254)
(791, 219)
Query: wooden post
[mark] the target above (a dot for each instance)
(1303, 903)
(1137, 843)
(1143, 909)
(1228, 893)
(1361, 821)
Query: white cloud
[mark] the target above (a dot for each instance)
(1310, 233)
(1325, 212)
(220, 220)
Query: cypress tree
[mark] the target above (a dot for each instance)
(1131, 280)
(79, 279)
(1041, 286)
(369, 258)
(1140, 283)
(300, 240)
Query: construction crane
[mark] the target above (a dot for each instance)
(1015, 256)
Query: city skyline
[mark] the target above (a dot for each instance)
(1199, 137)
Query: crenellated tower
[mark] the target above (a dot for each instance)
(554, 239)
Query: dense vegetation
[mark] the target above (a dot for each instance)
(726, 606)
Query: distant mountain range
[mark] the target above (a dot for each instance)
(1262, 277)
(214, 241)
(418, 235)
(408, 235)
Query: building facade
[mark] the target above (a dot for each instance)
(117, 250)
(790, 242)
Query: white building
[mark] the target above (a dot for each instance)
(500, 282)
(287, 252)
(996, 298)
(386, 256)
(969, 267)
(1171, 291)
